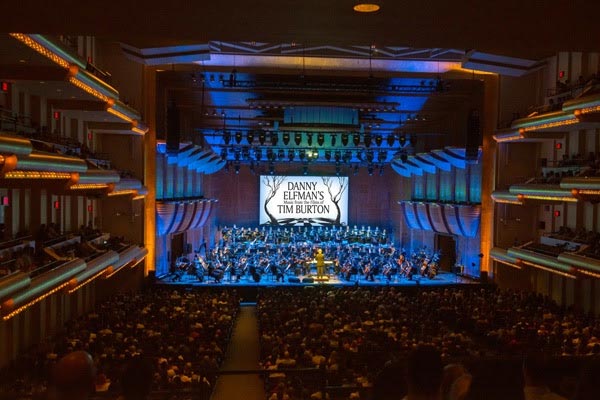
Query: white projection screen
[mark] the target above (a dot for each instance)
(303, 200)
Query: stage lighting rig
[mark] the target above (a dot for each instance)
(320, 139)
(274, 138)
(298, 139)
(286, 138)
(344, 139)
(262, 137)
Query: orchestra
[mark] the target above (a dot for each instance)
(276, 252)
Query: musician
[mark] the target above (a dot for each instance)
(320, 260)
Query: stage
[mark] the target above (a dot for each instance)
(267, 280)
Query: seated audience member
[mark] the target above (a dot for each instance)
(74, 377)
(136, 380)
(424, 374)
(534, 374)
(588, 386)
(388, 385)
(456, 382)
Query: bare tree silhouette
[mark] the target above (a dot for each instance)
(343, 184)
(273, 183)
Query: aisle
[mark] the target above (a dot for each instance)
(243, 354)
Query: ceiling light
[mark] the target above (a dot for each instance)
(366, 7)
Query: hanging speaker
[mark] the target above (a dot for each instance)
(173, 128)
(473, 136)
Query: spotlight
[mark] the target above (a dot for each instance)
(291, 155)
(274, 138)
(347, 156)
(252, 168)
(309, 138)
(370, 156)
(370, 169)
(312, 154)
(224, 153)
(271, 169)
(262, 137)
(320, 139)
(301, 155)
(382, 155)
(226, 137)
(237, 168)
(338, 156)
(245, 153)
(333, 139)
(258, 154)
(402, 140)
(298, 139)
(237, 155)
(328, 155)
(344, 139)
(270, 155)
(281, 154)
(227, 167)
(367, 139)
(305, 170)
(286, 138)
(338, 169)
(250, 137)
(378, 140)
(391, 139)
(359, 155)
(356, 139)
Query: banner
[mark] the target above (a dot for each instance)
(303, 200)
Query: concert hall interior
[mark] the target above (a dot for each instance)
(276, 200)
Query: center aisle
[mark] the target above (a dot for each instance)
(243, 354)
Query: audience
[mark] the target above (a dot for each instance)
(74, 377)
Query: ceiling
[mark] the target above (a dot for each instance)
(509, 27)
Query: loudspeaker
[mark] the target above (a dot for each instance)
(173, 128)
(308, 280)
(483, 276)
(293, 279)
(474, 139)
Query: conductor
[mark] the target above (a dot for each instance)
(320, 260)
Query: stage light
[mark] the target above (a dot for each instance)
(281, 154)
(226, 137)
(356, 139)
(252, 170)
(382, 155)
(344, 139)
(270, 155)
(320, 139)
(274, 138)
(291, 155)
(237, 168)
(245, 153)
(298, 139)
(258, 154)
(301, 155)
(238, 137)
(305, 170)
(381, 170)
(355, 169)
(338, 170)
(224, 153)
(328, 155)
(378, 140)
(367, 139)
(347, 156)
(370, 169)
(370, 156)
(333, 139)
(312, 154)
(271, 169)
(227, 167)
(237, 155)
(402, 140)
(359, 155)
(391, 139)
(286, 138)
(309, 138)
(250, 137)
(338, 156)
(262, 137)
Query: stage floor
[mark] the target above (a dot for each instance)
(442, 279)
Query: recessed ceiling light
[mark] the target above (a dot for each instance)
(42, 82)
(22, 61)
(159, 70)
(366, 7)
